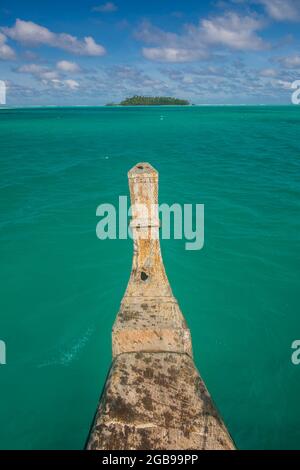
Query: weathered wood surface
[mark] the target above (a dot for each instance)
(154, 397)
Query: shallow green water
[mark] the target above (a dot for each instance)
(61, 286)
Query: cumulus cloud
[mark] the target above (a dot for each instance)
(48, 76)
(107, 7)
(269, 73)
(278, 10)
(231, 31)
(282, 10)
(172, 54)
(69, 83)
(120, 81)
(150, 34)
(39, 72)
(282, 84)
(6, 52)
(223, 82)
(29, 33)
(291, 62)
(170, 47)
(30, 55)
(228, 83)
(66, 66)
(72, 84)
(19, 92)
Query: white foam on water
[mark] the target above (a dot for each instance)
(66, 357)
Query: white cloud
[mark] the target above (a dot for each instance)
(269, 73)
(227, 83)
(66, 66)
(282, 10)
(121, 81)
(172, 54)
(63, 84)
(107, 7)
(38, 71)
(90, 47)
(290, 61)
(170, 47)
(231, 31)
(30, 68)
(282, 84)
(48, 76)
(30, 55)
(6, 52)
(72, 84)
(29, 33)
(152, 35)
(230, 82)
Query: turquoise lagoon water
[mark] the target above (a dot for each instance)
(61, 286)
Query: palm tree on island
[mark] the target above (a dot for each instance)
(151, 101)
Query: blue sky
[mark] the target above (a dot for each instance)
(94, 52)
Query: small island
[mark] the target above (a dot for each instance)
(151, 101)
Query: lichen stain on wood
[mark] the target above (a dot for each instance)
(154, 397)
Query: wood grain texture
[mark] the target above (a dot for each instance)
(154, 397)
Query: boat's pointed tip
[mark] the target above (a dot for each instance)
(142, 169)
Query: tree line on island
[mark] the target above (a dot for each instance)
(151, 101)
